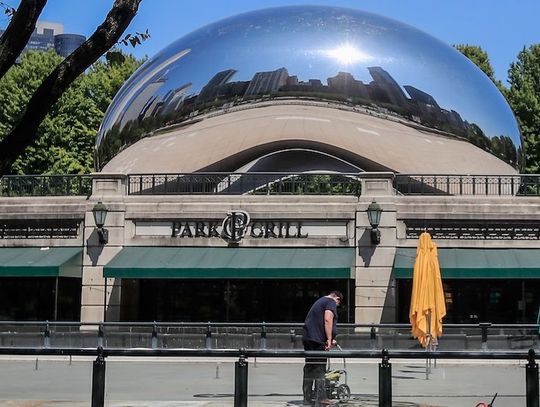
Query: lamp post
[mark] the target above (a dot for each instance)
(100, 214)
(374, 211)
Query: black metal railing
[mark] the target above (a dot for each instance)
(216, 335)
(277, 183)
(474, 185)
(244, 183)
(45, 185)
(531, 382)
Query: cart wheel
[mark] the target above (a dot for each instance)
(343, 392)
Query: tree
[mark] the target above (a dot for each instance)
(481, 59)
(62, 76)
(65, 139)
(524, 97)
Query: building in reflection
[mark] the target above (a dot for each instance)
(344, 83)
(173, 100)
(212, 89)
(141, 105)
(384, 88)
(267, 82)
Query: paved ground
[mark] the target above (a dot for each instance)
(166, 383)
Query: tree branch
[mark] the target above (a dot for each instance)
(18, 32)
(52, 88)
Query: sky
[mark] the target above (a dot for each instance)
(500, 27)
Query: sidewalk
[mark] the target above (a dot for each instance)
(145, 383)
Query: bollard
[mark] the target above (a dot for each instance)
(154, 337)
(47, 336)
(240, 381)
(373, 337)
(36, 367)
(100, 336)
(385, 381)
(98, 380)
(208, 337)
(217, 371)
(531, 381)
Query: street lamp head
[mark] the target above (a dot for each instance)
(374, 211)
(100, 215)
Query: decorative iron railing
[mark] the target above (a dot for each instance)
(45, 185)
(39, 228)
(476, 185)
(487, 229)
(277, 183)
(244, 183)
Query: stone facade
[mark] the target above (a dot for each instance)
(375, 293)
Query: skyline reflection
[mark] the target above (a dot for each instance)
(346, 57)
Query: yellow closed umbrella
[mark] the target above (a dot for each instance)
(427, 299)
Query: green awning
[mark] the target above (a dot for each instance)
(225, 262)
(40, 262)
(475, 263)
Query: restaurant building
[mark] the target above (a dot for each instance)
(265, 159)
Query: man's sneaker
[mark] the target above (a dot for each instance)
(327, 402)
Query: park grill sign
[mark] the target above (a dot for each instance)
(238, 225)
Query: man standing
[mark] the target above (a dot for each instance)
(319, 334)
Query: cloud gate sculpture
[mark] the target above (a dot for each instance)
(309, 88)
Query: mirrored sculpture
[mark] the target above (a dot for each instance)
(309, 81)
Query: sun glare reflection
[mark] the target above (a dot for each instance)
(347, 54)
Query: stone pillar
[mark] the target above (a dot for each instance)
(375, 286)
(100, 299)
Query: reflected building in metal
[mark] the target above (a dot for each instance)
(309, 89)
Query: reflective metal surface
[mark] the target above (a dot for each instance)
(347, 58)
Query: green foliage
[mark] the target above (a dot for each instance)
(524, 97)
(65, 139)
(135, 39)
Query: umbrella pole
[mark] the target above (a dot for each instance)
(428, 344)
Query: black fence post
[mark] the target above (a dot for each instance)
(373, 337)
(240, 381)
(531, 381)
(292, 333)
(263, 336)
(484, 329)
(208, 343)
(154, 336)
(47, 335)
(98, 380)
(100, 335)
(385, 381)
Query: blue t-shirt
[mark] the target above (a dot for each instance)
(314, 323)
